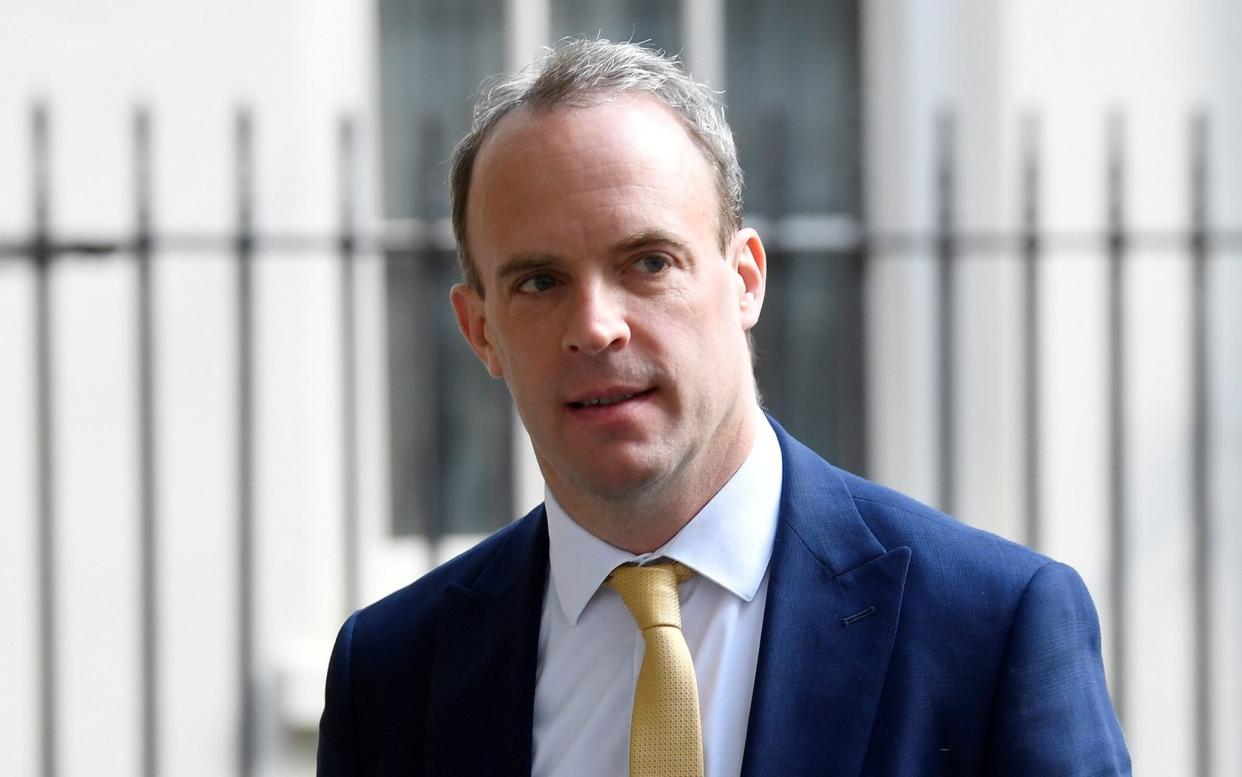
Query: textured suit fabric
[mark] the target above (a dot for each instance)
(896, 641)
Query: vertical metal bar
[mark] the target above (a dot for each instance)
(1032, 375)
(1117, 433)
(772, 191)
(244, 250)
(856, 351)
(1200, 462)
(439, 467)
(445, 456)
(42, 255)
(347, 246)
(148, 537)
(946, 252)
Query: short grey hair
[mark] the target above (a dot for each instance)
(580, 73)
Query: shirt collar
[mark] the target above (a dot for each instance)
(729, 541)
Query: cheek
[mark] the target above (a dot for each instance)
(523, 359)
(718, 314)
(497, 363)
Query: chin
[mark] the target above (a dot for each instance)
(621, 480)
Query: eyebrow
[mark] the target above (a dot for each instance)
(650, 237)
(524, 263)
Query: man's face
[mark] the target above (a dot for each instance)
(609, 307)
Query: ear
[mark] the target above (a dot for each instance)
(472, 320)
(750, 262)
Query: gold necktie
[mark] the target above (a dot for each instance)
(666, 738)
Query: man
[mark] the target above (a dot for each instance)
(829, 626)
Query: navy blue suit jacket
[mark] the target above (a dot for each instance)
(896, 641)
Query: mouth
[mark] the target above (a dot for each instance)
(608, 398)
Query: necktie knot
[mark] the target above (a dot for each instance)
(650, 592)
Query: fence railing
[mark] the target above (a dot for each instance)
(947, 243)
(44, 248)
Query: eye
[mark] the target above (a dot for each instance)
(537, 283)
(652, 264)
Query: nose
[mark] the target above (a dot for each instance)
(596, 321)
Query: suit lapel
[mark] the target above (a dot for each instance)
(487, 642)
(834, 600)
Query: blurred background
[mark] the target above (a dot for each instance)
(1005, 243)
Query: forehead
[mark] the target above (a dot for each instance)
(628, 157)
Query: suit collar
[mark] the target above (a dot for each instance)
(483, 665)
(834, 601)
(818, 508)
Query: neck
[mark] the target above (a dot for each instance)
(645, 519)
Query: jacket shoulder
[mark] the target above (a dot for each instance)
(412, 602)
(402, 623)
(898, 520)
(379, 677)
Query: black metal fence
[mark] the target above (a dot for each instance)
(947, 243)
(44, 248)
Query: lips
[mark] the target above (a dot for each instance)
(607, 397)
(604, 401)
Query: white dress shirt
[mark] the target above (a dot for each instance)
(590, 649)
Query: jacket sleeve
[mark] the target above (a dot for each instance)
(336, 756)
(1052, 713)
